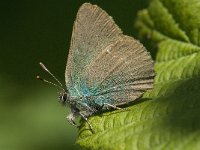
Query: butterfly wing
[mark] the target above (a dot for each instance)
(93, 31)
(104, 63)
(120, 73)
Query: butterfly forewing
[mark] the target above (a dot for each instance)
(104, 63)
(93, 30)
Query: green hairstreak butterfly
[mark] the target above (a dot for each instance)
(105, 69)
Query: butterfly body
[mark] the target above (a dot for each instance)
(105, 68)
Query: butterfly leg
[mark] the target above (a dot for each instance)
(82, 114)
(112, 106)
(71, 118)
(115, 107)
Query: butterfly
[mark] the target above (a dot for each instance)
(105, 68)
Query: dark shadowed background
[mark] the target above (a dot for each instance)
(32, 31)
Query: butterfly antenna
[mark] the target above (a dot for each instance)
(44, 80)
(45, 68)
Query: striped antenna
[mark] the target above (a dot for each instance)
(45, 68)
(44, 80)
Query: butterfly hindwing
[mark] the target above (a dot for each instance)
(121, 72)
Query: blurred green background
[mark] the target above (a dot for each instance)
(33, 31)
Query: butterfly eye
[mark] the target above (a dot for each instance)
(63, 97)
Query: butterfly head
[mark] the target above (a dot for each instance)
(63, 97)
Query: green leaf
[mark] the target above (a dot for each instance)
(168, 116)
